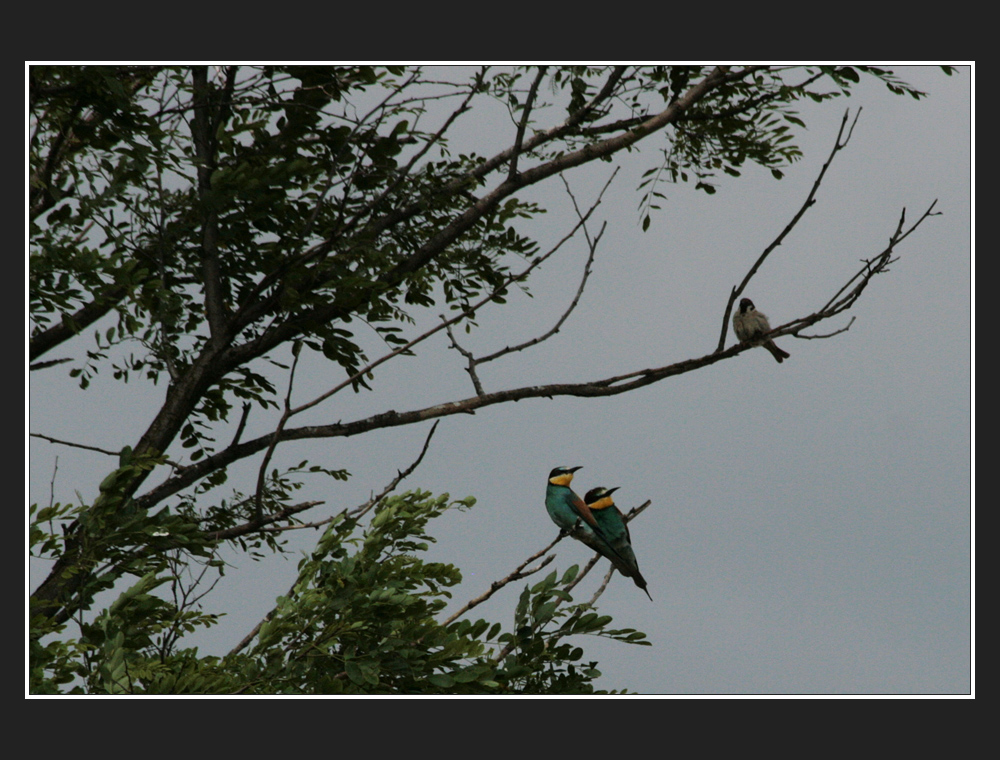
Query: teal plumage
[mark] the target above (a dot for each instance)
(614, 530)
(607, 533)
(564, 507)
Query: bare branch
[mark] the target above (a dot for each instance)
(262, 472)
(592, 244)
(107, 452)
(242, 425)
(359, 511)
(827, 335)
(525, 115)
(517, 574)
(591, 563)
(47, 364)
(809, 201)
(849, 293)
(463, 314)
(472, 361)
(52, 488)
(75, 445)
(602, 587)
(611, 386)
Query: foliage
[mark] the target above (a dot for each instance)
(360, 619)
(188, 226)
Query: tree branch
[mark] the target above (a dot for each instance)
(506, 650)
(516, 574)
(525, 115)
(205, 113)
(592, 245)
(363, 509)
(610, 386)
(288, 329)
(286, 413)
(70, 325)
(474, 362)
(809, 201)
(357, 512)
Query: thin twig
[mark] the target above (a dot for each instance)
(827, 335)
(356, 512)
(47, 364)
(602, 587)
(518, 573)
(592, 243)
(525, 114)
(75, 445)
(463, 314)
(50, 439)
(52, 487)
(262, 472)
(809, 201)
(470, 360)
(362, 509)
(497, 585)
(242, 425)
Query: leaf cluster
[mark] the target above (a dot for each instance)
(361, 618)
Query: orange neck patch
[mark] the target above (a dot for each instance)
(604, 503)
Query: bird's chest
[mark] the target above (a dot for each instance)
(561, 511)
(749, 325)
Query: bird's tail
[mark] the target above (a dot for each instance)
(639, 581)
(778, 354)
(622, 558)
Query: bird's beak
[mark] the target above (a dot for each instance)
(574, 469)
(611, 490)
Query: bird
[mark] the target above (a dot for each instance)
(563, 505)
(749, 324)
(614, 530)
(575, 518)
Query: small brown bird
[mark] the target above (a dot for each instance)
(749, 324)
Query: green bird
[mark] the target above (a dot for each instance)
(578, 519)
(564, 507)
(614, 530)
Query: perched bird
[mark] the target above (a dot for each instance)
(564, 507)
(749, 324)
(576, 518)
(613, 528)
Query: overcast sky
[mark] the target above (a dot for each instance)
(810, 521)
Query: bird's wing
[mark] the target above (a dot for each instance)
(628, 535)
(584, 511)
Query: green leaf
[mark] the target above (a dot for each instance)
(442, 680)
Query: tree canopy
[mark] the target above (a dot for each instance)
(189, 226)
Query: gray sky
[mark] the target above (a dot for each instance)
(810, 525)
